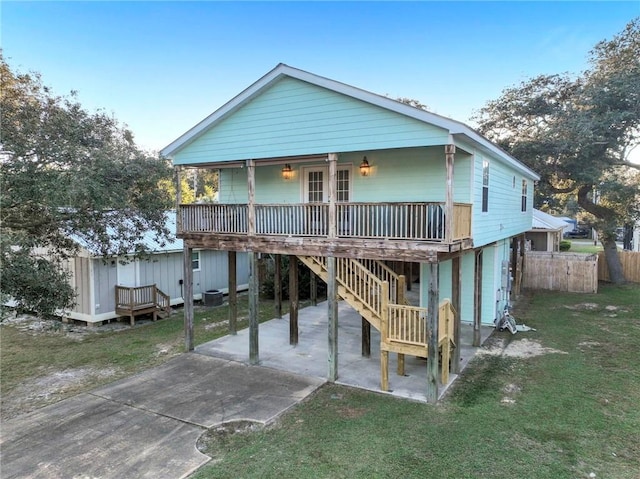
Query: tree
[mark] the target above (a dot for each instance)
(577, 132)
(67, 176)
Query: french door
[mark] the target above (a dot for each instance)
(316, 192)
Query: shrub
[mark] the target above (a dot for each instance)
(565, 245)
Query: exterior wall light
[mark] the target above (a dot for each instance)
(287, 172)
(364, 167)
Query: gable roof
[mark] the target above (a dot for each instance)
(545, 221)
(149, 239)
(455, 128)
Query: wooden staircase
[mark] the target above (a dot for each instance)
(138, 300)
(377, 293)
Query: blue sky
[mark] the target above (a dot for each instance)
(161, 67)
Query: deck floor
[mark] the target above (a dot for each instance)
(309, 357)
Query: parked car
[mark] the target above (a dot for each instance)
(578, 233)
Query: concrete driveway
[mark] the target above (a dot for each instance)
(147, 425)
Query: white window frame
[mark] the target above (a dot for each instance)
(304, 190)
(484, 207)
(198, 260)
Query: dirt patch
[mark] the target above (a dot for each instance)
(41, 391)
(351, 412)
(518, 348)
(213, 442)
(583, 306)
(510, 391)
(34, 325)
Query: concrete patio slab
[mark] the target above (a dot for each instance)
(207, 391)
(309, 357)
(90, 437)
(147, 425)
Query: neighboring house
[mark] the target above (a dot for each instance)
(546, 232)
(95, 278)
(635, 240)
(350, 181)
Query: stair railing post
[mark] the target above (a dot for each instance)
(384, 336)
(402, 287)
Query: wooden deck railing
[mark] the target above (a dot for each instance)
(133, 301)
(401, 221)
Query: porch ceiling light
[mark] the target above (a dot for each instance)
(287, 172)
(364, 167)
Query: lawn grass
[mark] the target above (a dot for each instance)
(585, 246)
(568, 414)
(48, 359)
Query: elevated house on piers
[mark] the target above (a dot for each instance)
(350, 183)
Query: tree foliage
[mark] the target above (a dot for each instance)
(67, 176)
(577, 132)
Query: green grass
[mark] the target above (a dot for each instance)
(585, 246)
(573, 413)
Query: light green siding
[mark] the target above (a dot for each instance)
(504, 217)
(412, 174)
(467, 290)
(293, 117)
(488, 285)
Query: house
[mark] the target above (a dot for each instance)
(546, 232)
(101, 282)
(351, 182)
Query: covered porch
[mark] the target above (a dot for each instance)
(310, 356)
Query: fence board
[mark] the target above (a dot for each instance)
(630, 261)
(572, 272)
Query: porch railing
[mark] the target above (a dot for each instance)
(401, 221)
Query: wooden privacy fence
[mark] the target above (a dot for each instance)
(572, 272)
(630, 261)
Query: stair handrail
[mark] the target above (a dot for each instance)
(164, 300)
(368, 288)
(397, 282)
(359, 281)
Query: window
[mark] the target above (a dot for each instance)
(342, 191)
(316, 187)
(195, 260)
(523, 206)
(485, 186)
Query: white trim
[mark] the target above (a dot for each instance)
(92, 287)
(199, 260)
(455, 128)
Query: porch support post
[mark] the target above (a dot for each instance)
(333, 186)
(432, 333)
(254, 357)
(477, 299)
(188, 297)
(178, 170)
(277, 285)
(332, 300)
(366, 338)
(233, 293)
(456, 266)
(408, 273)
(251, 205)
(449, 151)
(293, 300)
(313, 288)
